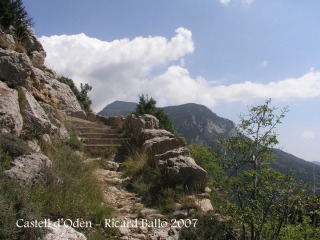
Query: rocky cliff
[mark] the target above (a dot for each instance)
(33, 108)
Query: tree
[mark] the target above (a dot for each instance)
(82, 95)
(148, 106)
(13, 13)
(262, 197)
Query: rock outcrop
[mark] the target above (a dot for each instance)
(180, 168)
(6, 41)
(16, 69)
(10, 117)
(34, 116)
(56, 231)
(28, 168)
(167, 153)
(68, 100)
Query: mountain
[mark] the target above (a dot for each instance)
(118, 108)
(198, 123)
(304, 170)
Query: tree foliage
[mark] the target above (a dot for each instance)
(148, 106)
(13, 13)
(82, 95)
(263, 198)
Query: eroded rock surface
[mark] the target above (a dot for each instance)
(28, 168)
(10, 117)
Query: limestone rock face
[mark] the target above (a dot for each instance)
(62, 232)
(27, 168)
(36, 119)
(10, 117)
(38, 58)
(136, 124)
(68, 101)
(179, 168)
(15, 68)
(148, 134)
(167, 152)
(161, 145)
(6, 40)
(150, 122)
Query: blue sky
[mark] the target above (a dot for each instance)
(225, 54)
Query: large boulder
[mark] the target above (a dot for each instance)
(137, 123)
(148, 134)
(68, 100)
(10, 117)
(28, 168)
(180, 169)
(161, 145)
(15, 68)
(56, 231)
(38, 58)
(36, 120)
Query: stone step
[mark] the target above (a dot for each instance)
(101, 135)
(101, 141)
(101, 130)
(79, 121)
(97, 147)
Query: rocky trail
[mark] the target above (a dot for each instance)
(136, 220)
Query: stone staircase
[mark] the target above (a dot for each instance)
(97, 136)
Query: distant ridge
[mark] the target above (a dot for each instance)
(118, 108)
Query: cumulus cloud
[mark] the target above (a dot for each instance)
(123, 69)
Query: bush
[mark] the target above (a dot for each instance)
(209, 227)
(148, 106)
(13, 13)
(10, 148)
(74, 143)
(67, 190)
(205, 158)
(82, 95)
(16, 203)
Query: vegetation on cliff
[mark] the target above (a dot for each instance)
(82, 95)
(148, 106)
(13, 13)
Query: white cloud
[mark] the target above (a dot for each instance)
(308, 134)
(123, 69)
(225, 2)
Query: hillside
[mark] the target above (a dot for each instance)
(118, 108)
(196, 122)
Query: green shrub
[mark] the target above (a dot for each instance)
(148, 106)
(82, 95)
(13, 13)
(74, 143)
(16, 203)
(10, 148)
(67, 190)
(209, 227)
